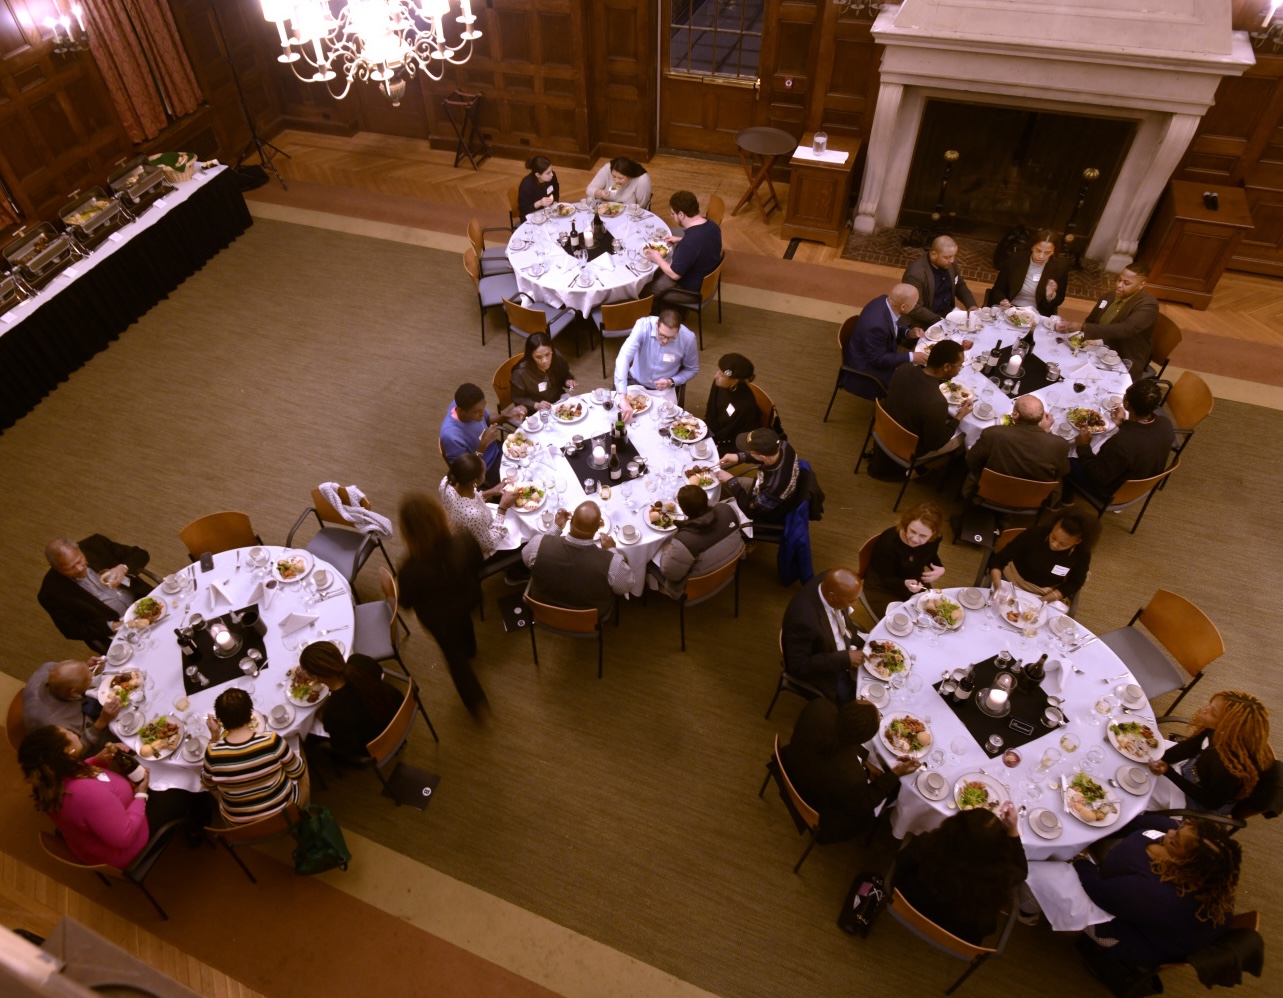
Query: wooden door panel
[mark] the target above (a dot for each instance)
(705, 117)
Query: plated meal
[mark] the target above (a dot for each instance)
(1139, 742)
(702, 476)
(1091, 803)
(145, 612)
(905, 734)
(658, 247)
(1023, 611)
(664, 515)
(1022, 318)
(158, 739)
(639, 401)
(518, 445)
(305, 690)
(292, 568)
(569, 412)
(529, 496)
(885, 658)
(610, 209)
(943, 609)
(1076, 341)
(955, 393)
(123, 687)
(1087, 419)
(562, 210)
(978, 790)
(688, 429)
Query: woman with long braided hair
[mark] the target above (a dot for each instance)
(1222, 761)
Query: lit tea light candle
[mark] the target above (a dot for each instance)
(223, 638)
(588, 238)
(599, 453)
(997, 699)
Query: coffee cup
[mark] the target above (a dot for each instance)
(280, 713)
(629, 532)
(258, 556)
(1046, 820)
(321, 578)
(1133, 692)
(935, 782)
(533, 423)
(984, 411)
(900, 621)
(117, 653)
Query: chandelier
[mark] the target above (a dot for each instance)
(383, 41)
(860, 8)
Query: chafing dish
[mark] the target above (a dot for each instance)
(12, 291)
(92, 216)
(39, 254)
(139, 183)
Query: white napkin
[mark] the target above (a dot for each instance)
(215, 594)
(1060, 893)
(1057, 674)
(604, 262)
(262, 595)
(294, 621)
(1087, 372)
(958, 316)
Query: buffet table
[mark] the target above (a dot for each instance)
(43, 340)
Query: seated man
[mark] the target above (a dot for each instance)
(1140, 449)
(827, 763)
(694, 254)
(935, 276)
(708, 539)
(1124, 321)
(767, 495)
(821, 645)
(468, 427)
(1025, 449)
(732, 407)
(660, 353)
(914, 399)
(572, 571)
(872, 346)
(89, 585)
(55, 694)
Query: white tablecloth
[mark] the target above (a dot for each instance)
(958, 649)
(553, 467)
(613, 280)
(159, 656)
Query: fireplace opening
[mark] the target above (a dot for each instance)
(1015, 167)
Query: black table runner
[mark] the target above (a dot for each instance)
(1033, 376)
(582, 469)
(215, 668)
(1028, 701)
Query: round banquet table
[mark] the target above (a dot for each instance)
(1081, 367)
(613, 278)
(551, 467)
(969, 644)
(158, 655)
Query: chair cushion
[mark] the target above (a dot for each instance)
(493, 290)
(371, 631)
(345, 549)
(559, 324)
(1154, 673)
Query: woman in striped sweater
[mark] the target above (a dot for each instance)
(253, 774)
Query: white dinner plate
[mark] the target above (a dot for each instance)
(1110, 818)
(873, 659)
(543, 496)
(514, 442)
(896, 750)
(997, 792)
(323, 690)
(1145, 754)
(175, 740)
(131, 613)
(105, 686)
(922, 600)
(697, 425)
(1025, 602)
(294, 553)
(559, 407)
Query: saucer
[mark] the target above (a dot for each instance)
(172, 584)
(119, 654)
(619, 536)
(193, 750)
(983, 411)
(878, 699)
(1133, 779)
(972, 598)
(1045, 823)
(900, 632)
(1133, 696)
(284, 722)
(924, 781)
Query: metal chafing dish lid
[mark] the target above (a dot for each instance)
(80, 213)
(38, 249)
(8, 287)
(135, 178)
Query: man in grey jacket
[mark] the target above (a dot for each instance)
(708, 539)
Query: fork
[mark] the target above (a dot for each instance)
(331, 630)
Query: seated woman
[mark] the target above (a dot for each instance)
(253, 775)
(539, 187)
(622, 180)
(1050, 561)
(827, 763)
(905, 557)
(1221, 763)
(961, 874)
(1170, 894)
(465, 504)
(542, 376)
(360, 704)
(104, 817)
(1039, 280)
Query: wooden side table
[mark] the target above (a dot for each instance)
(1188, 245)
(819, 193)
(767, 144)
(461, 109)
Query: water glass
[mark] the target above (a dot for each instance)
(1049, 759)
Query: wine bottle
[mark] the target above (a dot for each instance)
(621, 431)
(616, 472)
(574, 237)
(966, 685)
(1035, 671)
(991, 363)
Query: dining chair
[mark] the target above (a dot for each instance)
(1266, 798)
(710, 288)
(55, 846)
(863, 560)
(898, 444)
(617, 321)
(870, 384)
(1008, 495)
(764, 405)
(1238, 946)
(569, 623)
(377, 626)
(502, 379)
(492, 291)
(218, 532)
(492, 260)
(1188, 403)
(702, 588)
(984, 579)
(514, 206)
(1166, 337)
(791, 684)
(249, 833)
(337, 541)
(1131, 492)
(538, 318)
(715, 210)
(405, 784)
(14, 725)
(804, 816)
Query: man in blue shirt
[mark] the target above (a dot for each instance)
(660, 353)
(468, 427)
(693, 256)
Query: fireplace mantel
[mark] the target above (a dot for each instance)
(1159, 67)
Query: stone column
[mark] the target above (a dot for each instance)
(877, 155)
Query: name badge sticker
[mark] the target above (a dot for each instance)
(543, 386)
(730, 409)
(1060, 570)
(669, 358)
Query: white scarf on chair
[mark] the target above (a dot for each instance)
(365, 520)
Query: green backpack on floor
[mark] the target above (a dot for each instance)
(320, 842)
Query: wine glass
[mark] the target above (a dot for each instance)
(898, 679)
(913, 684)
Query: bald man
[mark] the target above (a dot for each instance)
(55, 694)
(576, 571)
(1025, 449)
(821, 645)
(874, 343)
(89, 585)
(935, 276)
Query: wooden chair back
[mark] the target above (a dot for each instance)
(55, 846)
(1006, 537)
(865, 557)
(514, 205)
(387, 582)
(922, 926)
(1138, 488)
(1166, 338)
(558, 618)
(328, 513)
(476, 237)
(1184, 630)
(808, 813)
(261, 830)
(893, 436)
(700, 587)
(764, 404)
(389, 741)
(502, 380)
(1017, 493)
(1246, 920)
(715, 210)
(528, 320)
(708, 288)
(14, 725)
(218, 532)
(1190, 401)
(472, 266)
(621, 317)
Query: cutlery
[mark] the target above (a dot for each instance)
(331, 630)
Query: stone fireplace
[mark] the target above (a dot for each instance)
(1153, 65)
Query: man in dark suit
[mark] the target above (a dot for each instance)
(821, 645)
(90, 585)
(1124, 320)
(873, 346)
(915, 401)
(1023, 450)
(935, 276)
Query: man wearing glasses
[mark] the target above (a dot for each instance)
(692, 256)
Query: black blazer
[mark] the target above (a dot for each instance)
(78, 614)
(1011, 278)
(810, 651)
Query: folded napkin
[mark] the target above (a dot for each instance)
(216, 595)
(294, 621)
(262, 595)
(1057, 675)
(1060, 893)
(1087, 372)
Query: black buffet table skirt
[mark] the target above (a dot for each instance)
(65, 332)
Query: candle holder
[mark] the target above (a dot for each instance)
(993, 701)
(226, 644)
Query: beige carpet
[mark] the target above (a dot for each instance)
(625, 808)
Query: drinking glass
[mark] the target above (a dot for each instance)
(897, 684)
(935, 759)
(958, 747)
(913, 684)
(1049, 758)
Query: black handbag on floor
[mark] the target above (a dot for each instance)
(864, 901)
(321, 845)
